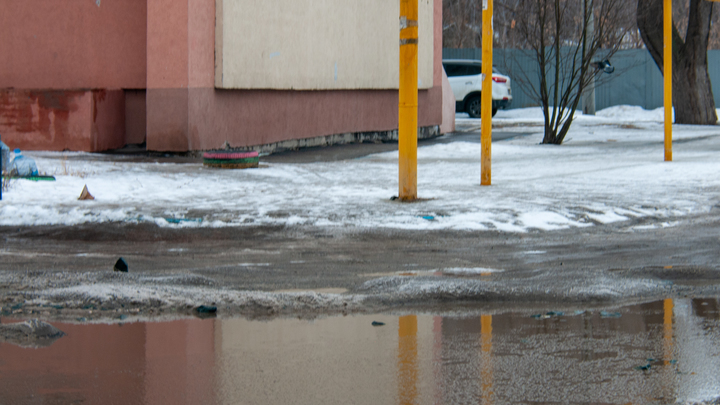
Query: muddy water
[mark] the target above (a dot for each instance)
(661, 352)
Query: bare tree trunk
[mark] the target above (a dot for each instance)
(692, 92)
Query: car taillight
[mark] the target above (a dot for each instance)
(499, 79)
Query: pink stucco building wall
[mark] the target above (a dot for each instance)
(91, 76)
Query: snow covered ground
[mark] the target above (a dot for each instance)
(610, 169)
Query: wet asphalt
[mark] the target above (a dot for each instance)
(277, 258)
(262, 258)
(507, 343)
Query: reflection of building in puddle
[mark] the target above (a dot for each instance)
(481, 359)
(698, 353)
(463, 368)
(135, 363)
(667, 373)
(334, 360)
(583, 358)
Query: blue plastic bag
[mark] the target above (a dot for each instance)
(5, 156)
(23, 166)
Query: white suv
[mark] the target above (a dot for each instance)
(466, 81)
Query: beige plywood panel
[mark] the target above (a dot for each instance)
(315, 44)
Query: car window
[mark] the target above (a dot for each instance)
(454, 70)
(462, 70)
(474, 70)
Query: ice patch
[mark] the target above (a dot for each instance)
(189, 296)
(606, 217)
(542, 288)
(656, 226)
(470, 270)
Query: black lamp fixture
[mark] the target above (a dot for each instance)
(605, 66)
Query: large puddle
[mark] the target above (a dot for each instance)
(656, 353)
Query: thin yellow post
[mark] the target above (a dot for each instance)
(407, 127)
(486, 106)
(667, 76)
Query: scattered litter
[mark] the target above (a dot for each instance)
(181, 220)
(548, 315)
(428, 217)
(122, 317)
(376, 323)
(604, 314)
(644, 368)
(81, 319)
(393, 198)
(22, 165)
(578, 312)
(121, 266)
(206, 309)
(85, 194)
(5, 156)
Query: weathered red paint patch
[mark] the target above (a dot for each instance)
(61, 119)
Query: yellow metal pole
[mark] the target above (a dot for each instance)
(407, 128)
(486, 106)
(667, 73)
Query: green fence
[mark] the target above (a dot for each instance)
(636, 81)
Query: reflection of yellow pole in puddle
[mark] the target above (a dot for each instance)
(486, 372)
(668, 373)
(407, 360)
(668, 331)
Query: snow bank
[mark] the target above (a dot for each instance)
(610, 170)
